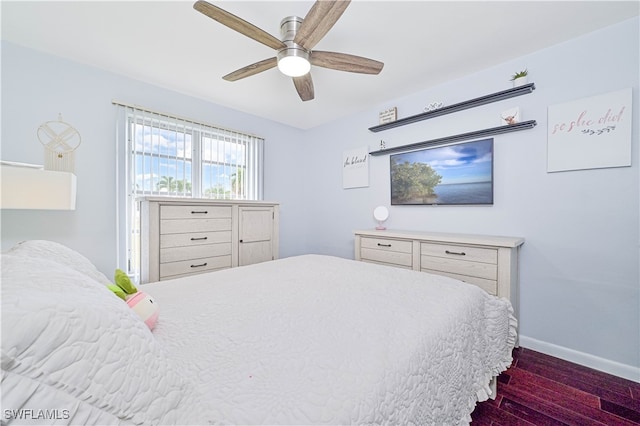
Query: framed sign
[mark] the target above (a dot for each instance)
(389, 115)
(590, 133)
(355, 168)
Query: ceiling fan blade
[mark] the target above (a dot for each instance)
(238, 24)
(321, 17)
(345, 62)
(304, 86)
(252, 69)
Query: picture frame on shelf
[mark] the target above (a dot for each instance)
(388, 115)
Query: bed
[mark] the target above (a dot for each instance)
(310, 339)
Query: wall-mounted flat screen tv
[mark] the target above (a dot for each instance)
(447, 175)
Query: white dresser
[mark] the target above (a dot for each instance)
(490, 262)
(182, 237)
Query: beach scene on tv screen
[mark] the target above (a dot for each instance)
(453, 174)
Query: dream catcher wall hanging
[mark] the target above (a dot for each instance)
(60, 139)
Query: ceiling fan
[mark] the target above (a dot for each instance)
(294, 52)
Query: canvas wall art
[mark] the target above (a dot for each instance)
(590, 133)
(355, 168)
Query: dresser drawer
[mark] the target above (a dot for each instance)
(175, 254)
(195, 212)
(466, 261)
(194, 239)
(459, 252)
(388, 257)
(173, 226)
(461, 267)
(167, 270)
(387, 244)
(388, 251)
(490, 286)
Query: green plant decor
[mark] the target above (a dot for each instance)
(520, 74)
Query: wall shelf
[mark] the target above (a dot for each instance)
(26, 186)
(525, 125)
(472, 103)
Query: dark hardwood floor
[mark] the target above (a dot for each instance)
(539, 389)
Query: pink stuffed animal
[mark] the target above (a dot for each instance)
(146, 308)
(141, 303)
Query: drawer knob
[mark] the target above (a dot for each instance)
(384, 245)
(199, 266)
(198, 239)
(460, 253)
(199, 212)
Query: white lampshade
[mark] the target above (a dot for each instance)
(33, 188)
(294, 66)
(381, 213)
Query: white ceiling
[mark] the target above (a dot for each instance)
(422, 43)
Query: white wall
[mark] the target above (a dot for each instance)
(36, 87)
(579, 266)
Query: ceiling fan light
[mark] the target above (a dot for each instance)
(293, 61)
(294, 66)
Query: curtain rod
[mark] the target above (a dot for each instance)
(189, 120)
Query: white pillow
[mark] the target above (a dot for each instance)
(59, 253)
(69, 344)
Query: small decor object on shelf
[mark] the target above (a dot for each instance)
(389, 115)
(383, 144)
(433, 106)
(510, 116)
(381, 213)
(520, 78)
(60, 140)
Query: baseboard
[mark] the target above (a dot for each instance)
(611, 367)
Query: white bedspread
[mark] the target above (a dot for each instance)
(323, 340)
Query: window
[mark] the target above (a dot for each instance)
(175, 157)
